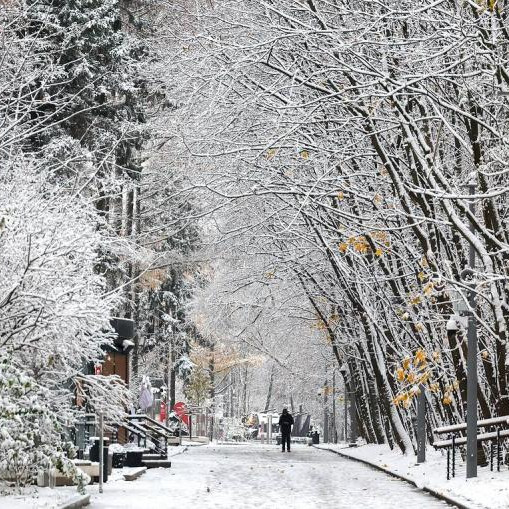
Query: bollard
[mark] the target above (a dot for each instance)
(498, 449)
(448, 463)
(421, 426)
(101, 452)
(454, 456)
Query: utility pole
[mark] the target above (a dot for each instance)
(471, 356)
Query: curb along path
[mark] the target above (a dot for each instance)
(446, 498)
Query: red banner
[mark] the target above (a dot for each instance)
(181, 410)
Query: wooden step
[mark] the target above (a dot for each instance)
(134, 473)
(159, 463)
(153, 456)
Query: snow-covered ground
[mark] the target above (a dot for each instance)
(257, 476)
(488, 490)
(260, 476)
(47, 498)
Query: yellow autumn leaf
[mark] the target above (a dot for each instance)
(271, 153)
(406, 362)
(341, 195)
(379, 252)
(416, 300)
(361, 247)
(420, 356)
(434, 387)
(447, 399)
(343, 247)
(304, 154)
(428, 289)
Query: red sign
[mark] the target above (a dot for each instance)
(162, 412)
(181, 410)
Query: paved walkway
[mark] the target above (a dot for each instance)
(257, 476)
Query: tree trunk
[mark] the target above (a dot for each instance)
(269, 392)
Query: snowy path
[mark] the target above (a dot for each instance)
(257, 476)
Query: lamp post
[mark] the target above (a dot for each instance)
(325, 414)
(334, 431)
(343, 370)
(466, 316)
(471, 356)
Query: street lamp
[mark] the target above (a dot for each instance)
(343, 372)
(462, 312)
(467, 275)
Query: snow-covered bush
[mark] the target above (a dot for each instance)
(30, 430)
(54, 317)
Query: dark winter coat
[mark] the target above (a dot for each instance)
(285, 423)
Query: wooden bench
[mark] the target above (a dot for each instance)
(483, 437)
(456, 440)
(484, 423)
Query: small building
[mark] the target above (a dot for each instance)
(116, 360)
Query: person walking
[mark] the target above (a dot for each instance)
(285, 426)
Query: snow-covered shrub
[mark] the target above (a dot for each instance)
(54, 317)
(30, 430)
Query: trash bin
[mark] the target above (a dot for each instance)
(133, 458)
(94, 454)
(315, 437)
(118, 459)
